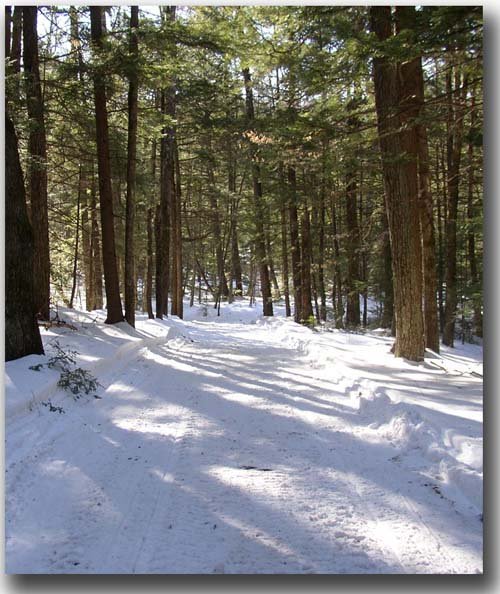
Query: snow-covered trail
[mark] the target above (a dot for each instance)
(227, 450)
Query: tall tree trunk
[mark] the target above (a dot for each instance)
(471, 240)
(352, 280)
(401, 193)
(363, 257)
(284, 246)
(77, 237)
(321, 245)
(37, 148)
(167, 193)
(150, 235)
(96, 252)
(413, 100)
(149, 270)
(130, 281)
(456, 113)
(111, 280)
(387, 280)
(222, 288)
(8, 25)
(272, 272)
(14, 55)
(337, 296)
(306, 309)
(86, 253)
(177, 284)
(259, 212)
(294, 243)
(236, 271)
(158, 262)
(440, 203)
(22, 336)
(429, 263)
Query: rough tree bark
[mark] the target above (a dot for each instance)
(77, 237)
(456, 114)
(259, 213)
(130, 282)
(294, 243)
(111, 280)
(471, 239)
(401, 194)
(306, 309)
(284, 245)
(22, 336)
(95, 249)
(37, 174)
(222, 287)
(14, 54)
(236, 271)
(352, 279)
(412, 101)
(177, 276)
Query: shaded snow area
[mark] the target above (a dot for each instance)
(237, 444)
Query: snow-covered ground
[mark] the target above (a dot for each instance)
(243, 445)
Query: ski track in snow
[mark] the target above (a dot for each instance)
(225, 450)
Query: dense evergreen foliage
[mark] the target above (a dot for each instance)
(329, 156)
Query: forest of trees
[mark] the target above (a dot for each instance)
(328, 156)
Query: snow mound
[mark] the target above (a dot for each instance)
(101, 350)
(455, 460)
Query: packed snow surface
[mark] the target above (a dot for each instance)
(243, 444)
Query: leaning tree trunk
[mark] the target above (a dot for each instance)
(401, 194)
(111, 280)
(22, 336)
(37, 149)
(130, 283)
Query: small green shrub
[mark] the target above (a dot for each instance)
(77, 381)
